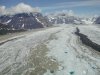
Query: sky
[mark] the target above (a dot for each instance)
(81, 7)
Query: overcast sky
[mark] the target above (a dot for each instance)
(87, 7)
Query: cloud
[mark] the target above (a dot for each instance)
(74, 4)
(2, 9)
(66, 12)
(20, 8)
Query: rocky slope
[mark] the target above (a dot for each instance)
(97, 21)
(24, 21)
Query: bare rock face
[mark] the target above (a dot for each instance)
(24, 21)
(97, 21)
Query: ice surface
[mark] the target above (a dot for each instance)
(14, 53)
(72, 55)
(65, 47)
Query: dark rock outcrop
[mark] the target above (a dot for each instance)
(85, 40)
(4, 29)
(97, 21)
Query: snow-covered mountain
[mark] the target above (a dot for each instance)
(24, 21)
(64, 18)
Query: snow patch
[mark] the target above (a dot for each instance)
(8, 21)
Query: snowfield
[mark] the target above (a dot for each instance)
(53, 51)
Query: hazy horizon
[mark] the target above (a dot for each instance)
(79, 7)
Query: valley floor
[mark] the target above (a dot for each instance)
(53, 51)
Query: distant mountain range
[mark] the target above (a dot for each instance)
(64, 18)
(24, 21)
